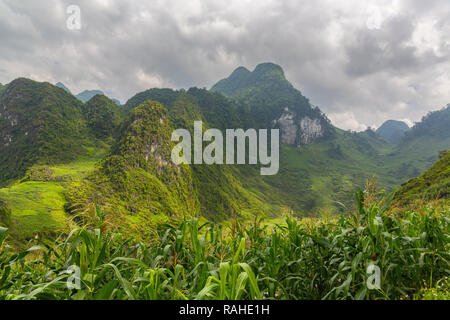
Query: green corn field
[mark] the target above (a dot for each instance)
(297, 259)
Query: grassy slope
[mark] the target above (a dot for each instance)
(433, 184)
(323, 175)
(415, 156)
(312, 177)
(38, 206)
(333, 177)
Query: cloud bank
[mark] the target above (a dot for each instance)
(361, 62)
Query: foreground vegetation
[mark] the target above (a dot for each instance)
(300, 259)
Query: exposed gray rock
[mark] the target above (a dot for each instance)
(288, 129)
(310, 130)
(295, 131)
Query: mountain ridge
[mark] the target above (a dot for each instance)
(320, 165)
(38, 122)
(86, 95)
(268, 99)
(393, 131)
(433, 184)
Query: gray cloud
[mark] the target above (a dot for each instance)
(361, 62)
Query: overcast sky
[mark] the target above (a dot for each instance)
(361, 62)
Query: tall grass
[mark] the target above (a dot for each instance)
(295, 260)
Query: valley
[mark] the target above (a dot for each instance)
(320, 165)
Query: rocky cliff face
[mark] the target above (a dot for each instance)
(267, 99)
(295, 130)
(310, 130)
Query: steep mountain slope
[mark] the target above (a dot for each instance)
(267, 99)
(103, 116)
(330, 162)
(433, 184)
(38, 123)
(136, 182)
(434, 124)
(216, 189)
(393, 131)
(62, 86)
(238, 79)
(419, 148)
(139, 172)
(314, 176)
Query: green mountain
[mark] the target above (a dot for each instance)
(327, 163)
(393, 131)
(39, 123)
(87, 95)
(216, 191)
(433, 184)
(138, 177)
(62, 86)
(419, 148)
(434, 124)
(305, 174)
(135, 183)
(166, 96)
(103, 116)
(266, 99)
(320, 164)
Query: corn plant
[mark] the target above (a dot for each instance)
(323, 259)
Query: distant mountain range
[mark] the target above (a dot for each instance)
(62, 86)
(49, 137)
(393, 131)
(86, 95)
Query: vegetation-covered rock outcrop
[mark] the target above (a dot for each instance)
(103, 116)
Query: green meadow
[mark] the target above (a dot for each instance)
(38, 207)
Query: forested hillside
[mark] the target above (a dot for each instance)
(57, 158)
(39, 123)
(393, 131)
